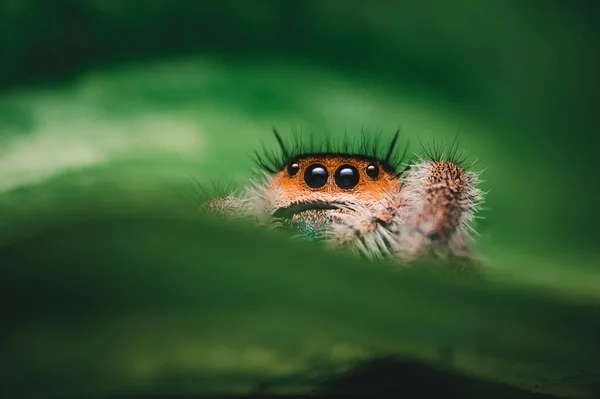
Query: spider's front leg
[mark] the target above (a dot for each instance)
(372, 231)
(231, 206)
(441, 200)
(256, 203)
(227, 207)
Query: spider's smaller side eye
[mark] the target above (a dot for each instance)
(293, 168)
(373, 171)
(316, 176)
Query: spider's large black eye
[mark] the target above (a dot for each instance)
(293, 168)
(346, 177)
(316, 176)
(373, 171)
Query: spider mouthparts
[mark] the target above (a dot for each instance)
(300, 207)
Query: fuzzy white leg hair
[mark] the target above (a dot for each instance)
(371, 231)
(441, 201)
(256, 202)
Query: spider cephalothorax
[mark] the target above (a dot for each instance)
(315, 190)
(363, 199)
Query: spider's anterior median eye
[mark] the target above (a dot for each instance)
(372, 171)
(315, 176)
(346, 177)
(293, 168)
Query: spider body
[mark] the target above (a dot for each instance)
(364, 201)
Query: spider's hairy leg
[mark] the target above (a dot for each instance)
(220, 200)
(257, 202)
(228, 206)
(441, 200)
(371, 231)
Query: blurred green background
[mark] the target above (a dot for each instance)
(111, 110)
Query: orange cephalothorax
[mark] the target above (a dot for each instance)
(334, 179)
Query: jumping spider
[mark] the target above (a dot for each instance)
(363, 198)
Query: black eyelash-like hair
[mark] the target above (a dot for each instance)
(365, 147)
(436, 151)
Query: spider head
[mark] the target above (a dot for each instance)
(312, 189)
